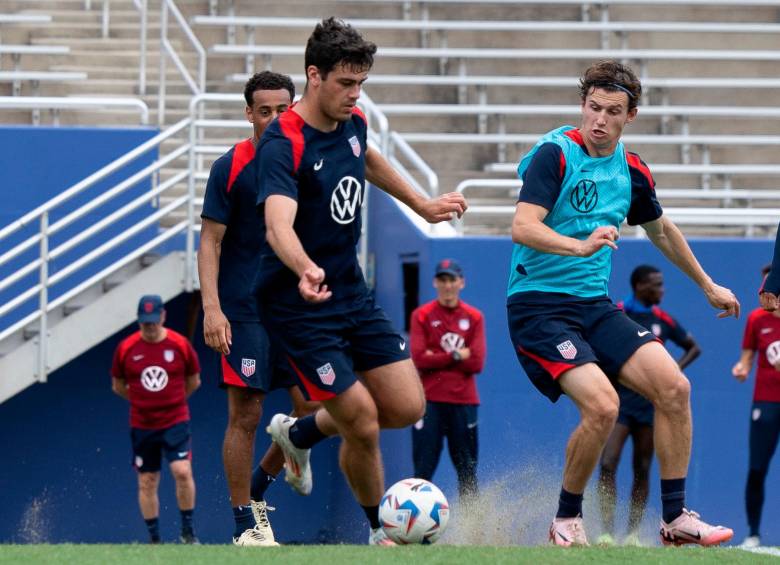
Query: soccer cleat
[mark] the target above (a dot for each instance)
(189, 538)
(605, 540)
(750, 542)
(379, 537)
(568, 532)
(296, 461)
(632, 540)
(689, 528)
(254, 537)
(260, 511)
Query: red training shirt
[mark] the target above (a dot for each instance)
(441, 330)
(762, 334)
(156, 374)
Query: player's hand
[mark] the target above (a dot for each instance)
(768, 301)
(600, 237)
(443, 208)
(464, 353)
(740, 372)
(723, 299)
(311, 285)
(216, 330)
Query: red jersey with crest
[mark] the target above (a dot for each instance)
(156, 375)
(440, 330)
(762, 335)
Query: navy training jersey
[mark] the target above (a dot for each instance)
(660, 323)
(230, 199)
(325, 173)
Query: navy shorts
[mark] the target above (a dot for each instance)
(254, 361)
(764, 434)
(327, 343)
(150, 445)
(635, 409)
(554, 332)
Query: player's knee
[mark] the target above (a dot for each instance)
(601, 415)
(675, 396)
(147, 482)
(245, 422)
(181, 472)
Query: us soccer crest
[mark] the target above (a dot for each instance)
(168, 355)
(327, 374)
(355, 144)
(567, 349)
(464, 324)
(247, 367)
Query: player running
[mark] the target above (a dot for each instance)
(228, 256)
(313, 162)
(579, 184)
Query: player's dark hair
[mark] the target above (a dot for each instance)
(335, 41)
(612, 77)
(640, 274)
(765, 269)
(267, 80)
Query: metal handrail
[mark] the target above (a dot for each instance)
(75, 102)
(166, 48)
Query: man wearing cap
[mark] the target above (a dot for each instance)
(447, 339)
(156, 370)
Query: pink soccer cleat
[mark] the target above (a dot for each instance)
(568, 532)
(688, 527)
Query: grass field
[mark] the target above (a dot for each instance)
(359, 555)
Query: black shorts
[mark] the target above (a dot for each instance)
(764, 434)
(554, 332)
(635, 409)
(150, 445)
(327, 343)
(254, 361)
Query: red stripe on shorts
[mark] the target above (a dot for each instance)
(555, 368)
(229, 376)
(315, 393)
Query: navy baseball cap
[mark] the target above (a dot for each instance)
(448, 267)
(150, 309)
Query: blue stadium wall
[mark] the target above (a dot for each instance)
(67, 477)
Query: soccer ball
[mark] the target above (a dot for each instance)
(414, 511)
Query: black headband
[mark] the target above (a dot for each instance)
(615, 86)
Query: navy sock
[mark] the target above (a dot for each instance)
(304, 433)
(186, 521)
(153, 525)
(569, 505)
(672, 498)
(372, 513)
(261, 480)
(244, 518)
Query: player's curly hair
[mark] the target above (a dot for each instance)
(334, 41)
(641, 273)
(613, 77)
(267, 80)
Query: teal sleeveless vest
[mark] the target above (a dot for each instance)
(595, 191)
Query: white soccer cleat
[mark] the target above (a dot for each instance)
(750, 542)
(260, 511)
(379, 537)
(254, 537)
(568, 532)
(296, 461)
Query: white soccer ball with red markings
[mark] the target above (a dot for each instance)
(414, 511)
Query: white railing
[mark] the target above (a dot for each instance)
(196, 84)
(55, 104)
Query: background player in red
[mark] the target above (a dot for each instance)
(228, 257)
(635, 416)
(313, 162)
(447, 339)
(157, 369)
(762, 336)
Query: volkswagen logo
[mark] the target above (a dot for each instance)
(584, 196)
(154, 378)
(346, 200)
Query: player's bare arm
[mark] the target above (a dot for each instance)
(279, 217)
(741, 368)
(528, 228)
(119, 387)
(668, 238)
(434, 210)
(191, 384)
(216, 327)
(692, 351)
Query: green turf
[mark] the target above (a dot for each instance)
(359, 555)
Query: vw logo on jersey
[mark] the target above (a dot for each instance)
(154, 378)
(346, 200)
(773, 352)
(451, 341)
(584, 196)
